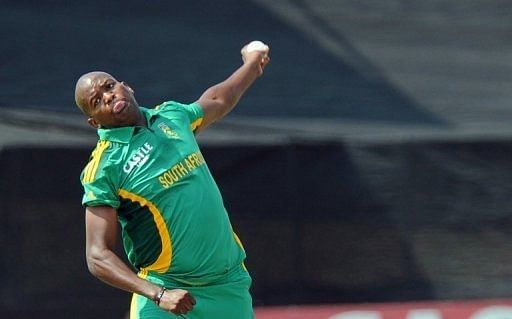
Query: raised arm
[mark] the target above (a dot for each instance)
(220, 99)
(103, 263)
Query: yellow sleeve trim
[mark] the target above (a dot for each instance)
(163, 263)
(196, 124)
(92, 167)
(238, 241)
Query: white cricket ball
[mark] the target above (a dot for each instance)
(256, 46)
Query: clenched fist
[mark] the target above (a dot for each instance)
(177, 301)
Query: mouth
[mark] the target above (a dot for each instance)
(119, 106)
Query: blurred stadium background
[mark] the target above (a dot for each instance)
(369, 168)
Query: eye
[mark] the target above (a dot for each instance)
(110, 85)
(96, 101)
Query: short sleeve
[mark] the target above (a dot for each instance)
(100, 192)
(97, 179)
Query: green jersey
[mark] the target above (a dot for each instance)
(173, 220)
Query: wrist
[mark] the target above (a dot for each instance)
(158, 297)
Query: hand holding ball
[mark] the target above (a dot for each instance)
(256, 51)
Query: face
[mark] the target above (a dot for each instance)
(108, 102)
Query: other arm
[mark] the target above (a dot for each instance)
(220, 99)
(103, 263)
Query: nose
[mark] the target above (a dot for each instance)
(108, 97)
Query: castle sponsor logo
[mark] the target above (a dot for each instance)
(139, 158)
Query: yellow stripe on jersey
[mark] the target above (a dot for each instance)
(163, 262)
(196, 123)
(134, 314)
(92, 166)
(239, 242)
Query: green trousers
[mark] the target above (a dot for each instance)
(226, 299)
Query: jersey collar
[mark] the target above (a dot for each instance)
(124, 134)
(118, 134)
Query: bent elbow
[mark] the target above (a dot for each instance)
(92, 265)
(95, 260)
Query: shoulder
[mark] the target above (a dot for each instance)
(190, 114)
(167, 105)
(105, 156)
(101, 176)
(173, 106)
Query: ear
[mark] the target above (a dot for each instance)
(129, 87)
(92, 122)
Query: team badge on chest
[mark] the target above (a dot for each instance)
(167, 130)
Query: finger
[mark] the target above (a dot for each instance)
(189, 298)
(264, 62)
(187, 307)
(187, 301)
(180, 309)
(177, 311)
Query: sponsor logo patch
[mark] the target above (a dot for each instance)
(167, 130)
(139, 158)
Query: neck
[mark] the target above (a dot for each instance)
(141, 120)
